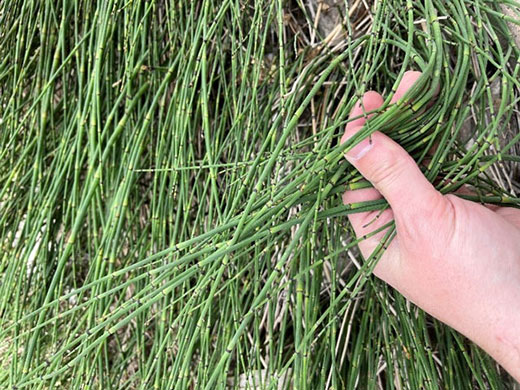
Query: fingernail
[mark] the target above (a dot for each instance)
(361, 149)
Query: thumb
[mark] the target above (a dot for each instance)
(394, 173)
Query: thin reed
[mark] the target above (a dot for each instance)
(171, 179)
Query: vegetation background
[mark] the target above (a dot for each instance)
(171, 179)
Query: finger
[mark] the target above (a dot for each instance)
(365, 223)
(408, 80)
(393, 172)
(369, 102)
(387, 165)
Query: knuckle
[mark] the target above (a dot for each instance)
(388, 168)
(429, 225)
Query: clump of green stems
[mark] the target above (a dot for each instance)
(171, 179)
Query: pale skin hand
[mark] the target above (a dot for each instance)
(456, 259)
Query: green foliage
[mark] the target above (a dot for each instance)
(170, 189)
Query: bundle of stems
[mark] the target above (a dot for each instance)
(171, 179)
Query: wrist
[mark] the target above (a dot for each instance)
(509, 343)
(502, 341)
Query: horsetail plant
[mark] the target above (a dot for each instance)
(171, 179)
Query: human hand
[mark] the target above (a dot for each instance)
(456, 259)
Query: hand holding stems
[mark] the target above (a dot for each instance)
(456, 259)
